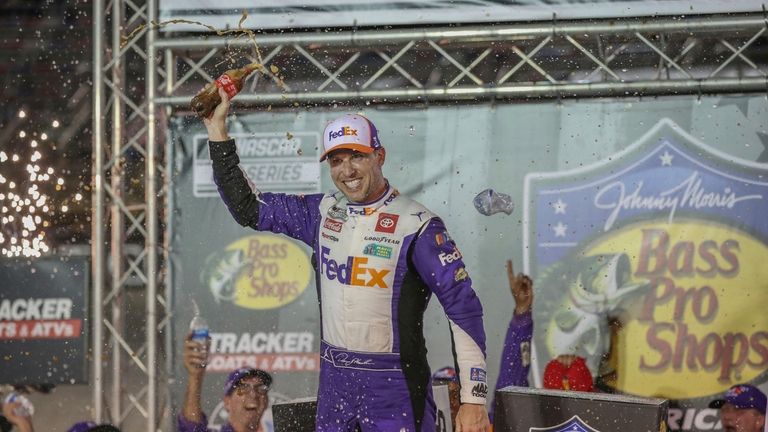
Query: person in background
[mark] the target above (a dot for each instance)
(742, 409)
(516, 353)
(246, 395)
(447, 376)
(22, 423)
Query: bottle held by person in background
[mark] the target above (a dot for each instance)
(231, 81)
(25, 408)
(489, 202)
(199, 329)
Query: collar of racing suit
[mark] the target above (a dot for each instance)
(360, 209)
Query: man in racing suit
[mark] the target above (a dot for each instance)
(378, 258)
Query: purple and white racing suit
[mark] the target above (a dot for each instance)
(376, 265)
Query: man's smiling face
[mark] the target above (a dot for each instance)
(358, 175)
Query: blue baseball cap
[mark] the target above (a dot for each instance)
(84, 426)
(742, 396)
(447, 373)
(238, 375)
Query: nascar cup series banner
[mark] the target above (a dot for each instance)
(43, 332)
(641, 222)
(271, 14)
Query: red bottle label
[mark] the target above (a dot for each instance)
(227, 84)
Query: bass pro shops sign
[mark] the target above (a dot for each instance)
(651, 265)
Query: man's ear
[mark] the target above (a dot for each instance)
(381, 154)
(227, 402)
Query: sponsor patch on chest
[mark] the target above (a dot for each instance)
(355, 271)
(387, 223)
(332, 224)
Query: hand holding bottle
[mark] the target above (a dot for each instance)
(231, 81)
(18, 410)
(196, 346)
(216, 124)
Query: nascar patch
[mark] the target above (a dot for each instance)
(477, 374)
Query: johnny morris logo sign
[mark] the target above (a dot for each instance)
(651, 265)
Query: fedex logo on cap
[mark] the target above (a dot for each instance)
(344, 131)
(354, 272)
(350, 132)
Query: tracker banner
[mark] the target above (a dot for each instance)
(286, 14)
(43, 332)
(651, 265)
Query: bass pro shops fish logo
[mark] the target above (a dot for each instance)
(262, 271)
(650, 265)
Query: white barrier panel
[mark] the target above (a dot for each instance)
(271, 14)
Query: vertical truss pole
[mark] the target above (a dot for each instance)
(152, 239)
(116, 214)
(97, 227)
(170, 355)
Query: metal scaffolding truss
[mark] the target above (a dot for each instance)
(546, 60)
(130, 371)
(127, 246)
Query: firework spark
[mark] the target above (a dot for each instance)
(26, 207)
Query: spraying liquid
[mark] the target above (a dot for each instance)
(231, 81)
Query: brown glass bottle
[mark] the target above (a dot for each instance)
(231, 81)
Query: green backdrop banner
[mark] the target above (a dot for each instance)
(639, 221)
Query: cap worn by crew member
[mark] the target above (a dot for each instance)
(238, 375)
(83, 426)
(351, 132)
(742, 396)
(445, 374)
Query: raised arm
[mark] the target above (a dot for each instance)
(195, 357)
(516, 353)
(294, 215)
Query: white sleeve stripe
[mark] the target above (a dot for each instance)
(469, 356)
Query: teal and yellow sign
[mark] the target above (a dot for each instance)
(261, 271)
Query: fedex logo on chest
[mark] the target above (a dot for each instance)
(354, 272)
